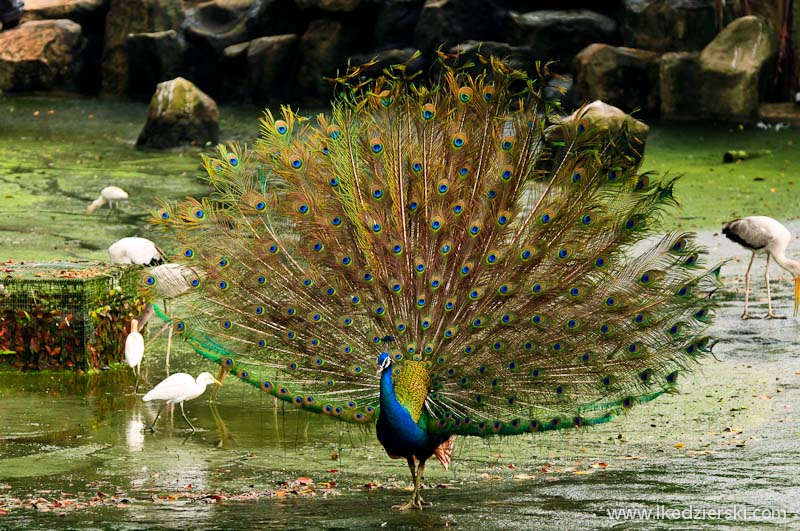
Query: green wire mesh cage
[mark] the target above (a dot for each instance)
(62, 315)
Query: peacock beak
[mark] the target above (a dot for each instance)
(796, 295)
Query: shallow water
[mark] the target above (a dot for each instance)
(728, 442)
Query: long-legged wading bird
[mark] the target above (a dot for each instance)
(176, 389)
(134, 351)
(437, 230)
(167, 281)
(109, 195)
(762, 234)
(136, 251)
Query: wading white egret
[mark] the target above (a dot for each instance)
(178, 388)
(134, 351)
(168, 281)
(762, 234)
(133, 250)
(109, 195)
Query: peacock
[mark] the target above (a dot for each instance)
(503, 267)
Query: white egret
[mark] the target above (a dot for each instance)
(762, 234)
(138, 251)
(134, 351)
(178, 388)
(109, 195)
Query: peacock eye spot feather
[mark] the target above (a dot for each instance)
(188, 253)
(576, 177)
(559, 390)
(612, 175)
(296, 162)
(545, 218)
(575, 292)
(459, 140)
(491, 194)
(377, 193)
(607, 380)
(334, 181)
(412, 206)
(376, 147)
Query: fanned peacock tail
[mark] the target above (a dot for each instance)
(440, 224)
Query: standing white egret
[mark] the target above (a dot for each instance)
(762, 234)
(134, 351)
(178, 388)
(109, 195)
(168, 281)
(133, 250)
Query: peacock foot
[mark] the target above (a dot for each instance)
(771, 315)
(410, 504)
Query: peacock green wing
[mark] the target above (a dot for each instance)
(444, 226)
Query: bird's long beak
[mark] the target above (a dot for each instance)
(796, 295)
(217, 381)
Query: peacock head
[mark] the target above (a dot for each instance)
(384, 362)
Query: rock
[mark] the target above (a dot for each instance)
(271, 67)
(446, 23)
(624, 77)
(518, 56)
(133, 16)
(668, 25)
(388, 58)
(599, 118)
(91, 15)
(732, 69)
(560, 34)
(38, 55)
(560, 88)
(179, 113)
(394, 26)
(680, 85)
(323, 49)
(213, 26)
(346, 6)
(152, 58)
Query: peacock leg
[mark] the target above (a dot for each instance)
(186, 419)
(418, 501)
(414, 479)
(746, 315)
(770, 315)
(220, 376)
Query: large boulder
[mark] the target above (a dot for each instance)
(91, 15)
(394, 26)
(324, 48)
(153, 58)
(732, 69)
(596, 122)
(346, 6)
(668, 25)
(271, 67)
(179, 113)
(624, 77)
(560, 34)
(133, 16)
(680, 85)
(446, 23)
(213, 27)
(38, 55)
(373, 64)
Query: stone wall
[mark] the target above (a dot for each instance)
(627, 52)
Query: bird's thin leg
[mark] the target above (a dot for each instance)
(137, 371)
(770, 315)
(418, 501)
(410, 504)
(153, 425)
(186, 419)
(746, 315)
(169, 346)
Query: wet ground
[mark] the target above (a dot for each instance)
(724, 453)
